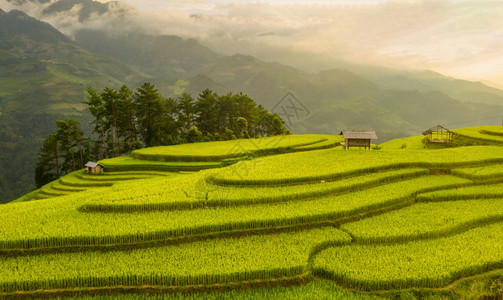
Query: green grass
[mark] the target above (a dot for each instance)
(133, 173)
(486, 134)
(41, 196)
(333, 164)
(157, 194)
(217, 151)
(28, 197)
(426, 220)
(425, 263)
(222, 260)
(80, 181)
(193, 192)
(467, 192)
(410, 143)
(73, 179)
(58, 222)
(486, 172)
(318, 289)
(66, 188)
(331, 142)
(494, 131)
(403, 225)
(126, 163)
(47, 190)
(112, 178)
(306, 191)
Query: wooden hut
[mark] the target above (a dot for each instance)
(439, 134)
(92, 167)
(358, 138)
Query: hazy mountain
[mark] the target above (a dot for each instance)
(426, 81)
(335, 99)
(21, 2)
(38, 60)
(43, 75)
(161, 56)
(340, 99)
(88, 7)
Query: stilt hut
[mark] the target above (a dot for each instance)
(93, 167)
(357, 138)
(439, 135)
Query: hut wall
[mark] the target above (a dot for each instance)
(95, 170)
(358, 142)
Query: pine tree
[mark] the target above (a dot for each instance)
(206, 110)
(47, 167)
(242, 128)
(149, 111)
(111, 104)
(97, 109)
(126, 121)
(70, 138)
(194, 135)
(186, 111)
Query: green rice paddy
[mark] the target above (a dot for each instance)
(292, 217)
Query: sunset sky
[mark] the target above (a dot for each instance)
(459, 38)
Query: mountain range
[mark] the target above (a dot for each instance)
(44, 73)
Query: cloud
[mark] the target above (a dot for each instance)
(446, 36)
(118, 19)
(28, 7)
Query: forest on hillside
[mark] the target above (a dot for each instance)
(125, 120)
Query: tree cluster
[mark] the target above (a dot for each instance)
(125, 120)
(63, 151)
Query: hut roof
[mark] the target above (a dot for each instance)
(438, 128)
(92, 164)
(359, 134)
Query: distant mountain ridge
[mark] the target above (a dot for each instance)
(173, 57)
(88, 7)
(160, 56)
(426, 80)
(342, 99)
(15, 23)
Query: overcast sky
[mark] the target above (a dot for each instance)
(212, 4)
(459, 38)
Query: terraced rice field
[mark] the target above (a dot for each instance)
(218, 151)
(316, 223)
(172, 160)
(80, 181)
(483, 134)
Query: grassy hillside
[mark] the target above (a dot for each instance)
(178, 161)
(312, 222)
(44, 68)
(43, 75)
